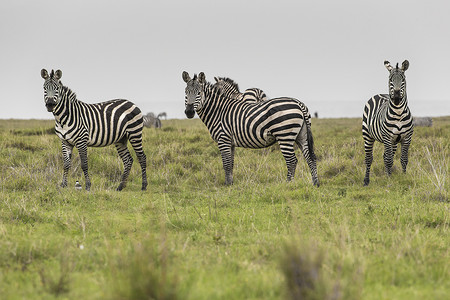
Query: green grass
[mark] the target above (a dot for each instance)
(191, 237)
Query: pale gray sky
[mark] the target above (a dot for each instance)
(328, 53)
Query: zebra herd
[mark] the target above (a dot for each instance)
(233, 119)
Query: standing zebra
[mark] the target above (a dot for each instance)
(233, 122)
(231, 89)
(80, 125)
(388, 120)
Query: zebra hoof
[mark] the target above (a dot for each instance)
(366, 182)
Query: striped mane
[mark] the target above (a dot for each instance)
(231, 82)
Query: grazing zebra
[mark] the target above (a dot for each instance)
(231, 89)
(162, 114)
(388, 120)
(236, 123)
(150, 120)
(80, 125)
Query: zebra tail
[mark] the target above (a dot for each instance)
(310, 140)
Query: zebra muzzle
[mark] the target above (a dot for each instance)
(189, 111)
(50, 106)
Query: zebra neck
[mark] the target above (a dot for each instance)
(213, 103)
(398, 110)
(63, 111)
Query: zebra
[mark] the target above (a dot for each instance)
(230, 88)
(150, 120)
(387, 119)
(236, 123)
(161, 115)
(83, 125)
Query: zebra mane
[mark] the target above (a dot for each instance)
(231, 82)
(214, 89)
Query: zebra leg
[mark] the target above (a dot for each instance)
(127, 159)
(388, 157)
(368, 149)
(82, 150)
(304, 144)
(287, 149)
(136, 143)
(394, 149)
(404, 155)
(67, 158)
(227, 153)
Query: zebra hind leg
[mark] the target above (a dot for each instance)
(136, 143)
(287, 149)
(305, 142)
(127, 159)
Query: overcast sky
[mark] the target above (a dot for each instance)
(329, 54)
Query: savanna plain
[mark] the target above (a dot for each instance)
(191, 237)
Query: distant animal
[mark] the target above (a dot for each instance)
(423, 121)
(387, 119)
(236, 123)
(78, 186)
(83, 125)
(151, 121)
(162, 114)
(231, 89)
(316, 115)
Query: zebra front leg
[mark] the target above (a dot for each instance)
(388, 157)
(67, 158)
(368, 148)
(127, 159)
(404, 155)
(82, 150)
(227, 153)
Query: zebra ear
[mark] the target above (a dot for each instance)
(58, 74)
(44, 73)
(388, 65)
(216, 79)
(186, 76)
(201, 78)
(405, 65)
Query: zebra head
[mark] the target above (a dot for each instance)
(397, 81)
(52, 87)
(227, 86)
(194, 95)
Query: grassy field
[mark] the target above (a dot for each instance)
(191, 237)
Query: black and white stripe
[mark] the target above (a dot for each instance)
(83, 125)
(231, 89)
(387, 119)
(236, 123)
